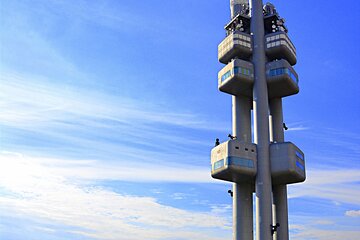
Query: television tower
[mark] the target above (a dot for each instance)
(259, 57)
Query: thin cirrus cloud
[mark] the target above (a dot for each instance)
(96, 170)
(340, 188)
(83, 119)
(44, 103)
(35, 188)
(301, 232)
(299, 128)
(353, 213)
(56, 112)
(42, 188)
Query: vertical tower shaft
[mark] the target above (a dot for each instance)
(279, 191)
(242, 192)
(261, 115)
(259, 57)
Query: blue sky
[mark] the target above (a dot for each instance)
(109, 110)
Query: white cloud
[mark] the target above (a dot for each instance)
(222, 209)
(89, 170)
(35, 189)
(298, 128)
(324, 222)
(41, 104)
(301, 232)
(181, 196)
(75, 121)
(336, 185)
(353, 213)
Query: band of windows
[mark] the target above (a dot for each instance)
(236, 71)
(229, 39)
(219, 164)
(281, 71)
(235, 161)
(241, 162)
(299, 165)
(280, 39)
(299, 155)
(234, 39)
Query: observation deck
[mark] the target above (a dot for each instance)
(279, 46)
(234, 161)
(282, 80)
(236, 44)
(287, 163)
(237, 78)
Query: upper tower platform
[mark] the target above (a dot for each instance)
(279, 46)
(282, 80)
(236, 50)
(236, 45)
(234, 161)
(277, 42)
(237, 78)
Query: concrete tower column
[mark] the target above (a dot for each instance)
(242, 192)
(279, 191)
(261, 121)
(241, 127)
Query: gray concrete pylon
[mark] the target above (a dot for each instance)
(242, 192)
(263, 186)
(279, 191)
(241, 128)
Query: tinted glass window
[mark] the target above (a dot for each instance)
(218, 164)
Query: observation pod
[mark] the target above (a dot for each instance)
(237, 78)
(287, 163)
(279, 46)
(234, 161)
(282, 80)
(236, 44)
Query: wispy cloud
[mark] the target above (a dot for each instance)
(38, 189)
(322, 225)
(83, 119)
(94, 170)
(324, 222)
(353, 213)
(343, 139)
(42, 186)
(337, 185)
(222, 209)
(297, 126)
(302, 232)
(40, 104)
